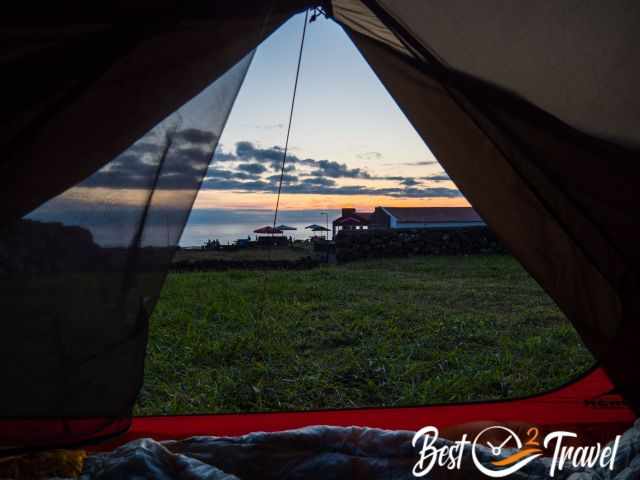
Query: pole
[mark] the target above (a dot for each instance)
(326, 233)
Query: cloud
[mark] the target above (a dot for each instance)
(248, 151)
(413, 164)
(369, 156)
(310, 188)
(144, 147)
(250, 186)
(218, 173)
(325, 182)
(192, 135)
(221, 156)
(273, 156)
(245, 176)
(327, 168)
(409, 182)
(429, 192)
(215, 172)
(285, 178)
(246, 170)
(182, 163)
(254, 168)
(438, 177)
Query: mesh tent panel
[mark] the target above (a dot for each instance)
(81, 274)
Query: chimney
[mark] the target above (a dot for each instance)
(348, 211)
(379, 219)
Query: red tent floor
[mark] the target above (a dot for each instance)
(586, 406)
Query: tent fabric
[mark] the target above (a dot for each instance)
(575, 61)
(83, 82)
(531, 111)
(562, 199)
(81, 273)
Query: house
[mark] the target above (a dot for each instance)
(351, 220)
(397, 218)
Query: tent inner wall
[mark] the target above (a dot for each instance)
(551, 175)
(81, 274)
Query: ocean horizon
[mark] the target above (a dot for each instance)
(229, 225)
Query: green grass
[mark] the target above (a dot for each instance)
(375, 333)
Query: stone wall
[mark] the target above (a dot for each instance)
(354, 245)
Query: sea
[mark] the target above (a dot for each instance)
(229, 225)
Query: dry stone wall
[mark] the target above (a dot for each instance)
(359, 244)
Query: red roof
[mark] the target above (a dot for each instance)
(355, 218)
(350, 220)
(433, 214)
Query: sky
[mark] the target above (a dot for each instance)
(350, 145)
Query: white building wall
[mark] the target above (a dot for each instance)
(399, 226)
(395, 225)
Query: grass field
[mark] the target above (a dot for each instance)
(374, 333)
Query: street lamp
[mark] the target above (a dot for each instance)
(327, 217)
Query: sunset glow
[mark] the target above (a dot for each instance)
(232, 200)
(350, 146)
